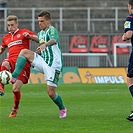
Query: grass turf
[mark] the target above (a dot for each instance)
(92, 108)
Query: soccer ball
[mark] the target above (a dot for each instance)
(5, 77)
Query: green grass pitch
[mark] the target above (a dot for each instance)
(92, 108)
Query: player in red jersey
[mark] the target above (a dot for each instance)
(16, 40)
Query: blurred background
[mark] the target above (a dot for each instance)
(90, 30)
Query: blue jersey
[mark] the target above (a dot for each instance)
(128, 25)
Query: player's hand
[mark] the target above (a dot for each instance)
(41, 48)
(38, 51)
(26, 34)
(126, 37)
(123, 37)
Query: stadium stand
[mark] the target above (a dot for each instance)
(81, 25)
(66, 3)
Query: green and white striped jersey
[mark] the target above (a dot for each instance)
(53, 54)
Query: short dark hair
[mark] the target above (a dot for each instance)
(46, 14)
(130, 2)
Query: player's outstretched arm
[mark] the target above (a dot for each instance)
(32, 37)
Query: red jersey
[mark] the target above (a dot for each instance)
(16, 42)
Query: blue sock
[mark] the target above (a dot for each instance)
(131, 90)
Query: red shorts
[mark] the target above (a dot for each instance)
(25, 73)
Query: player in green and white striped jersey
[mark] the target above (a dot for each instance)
(52, 54)
(47, 59)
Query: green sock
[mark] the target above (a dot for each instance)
(21, 61)
(58, 101)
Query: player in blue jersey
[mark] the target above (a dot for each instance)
(128, 34)
(47, 59)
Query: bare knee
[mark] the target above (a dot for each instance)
(17, 85)
(51, 91)
(6, 64)
(28, 54)
(24, 52)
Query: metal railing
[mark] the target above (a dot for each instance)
(95, 19)
(87, 59)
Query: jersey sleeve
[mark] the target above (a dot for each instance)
(128, 25)
(53, 33)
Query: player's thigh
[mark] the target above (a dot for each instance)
(38, 63)
(51, 75)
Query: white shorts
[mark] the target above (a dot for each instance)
(51, 75)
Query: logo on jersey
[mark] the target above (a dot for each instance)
(18, 35)
(41, 41)
(15, 43)
(127, 24)
(7, 40)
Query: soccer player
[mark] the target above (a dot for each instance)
(16, 40)
(47, 59)
(128, 34)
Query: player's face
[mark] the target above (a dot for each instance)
(12, 26)
(43, 23)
